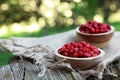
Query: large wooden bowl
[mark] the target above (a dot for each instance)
(100, 40)
(81, 63)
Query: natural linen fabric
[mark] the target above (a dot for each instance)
(42, 50)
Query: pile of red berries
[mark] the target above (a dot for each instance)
(94, 27)
(78, 50)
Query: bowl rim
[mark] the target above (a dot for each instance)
(102, 53)
(111, 31)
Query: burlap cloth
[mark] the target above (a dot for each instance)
(42, 50)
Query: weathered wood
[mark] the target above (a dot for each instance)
(24, 70)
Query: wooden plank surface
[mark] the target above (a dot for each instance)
(23, 70)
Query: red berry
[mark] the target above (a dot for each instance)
(91, 53)
(78, 49)
(80, 54)
(80, 45)
(65, 54)
(87, 50)
(75, 54)
(72, 43)
(71, 51)
(92, 30)
(94, 55)
(87, 55)
(93, 27)
(59, 51)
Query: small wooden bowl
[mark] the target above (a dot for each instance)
(81, 63)
(100, 40)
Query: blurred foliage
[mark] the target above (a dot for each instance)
(55, 14)
(55, 10)
(4, 57)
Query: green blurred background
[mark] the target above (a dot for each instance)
(36, 18)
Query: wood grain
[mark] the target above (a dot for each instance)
(27, 70)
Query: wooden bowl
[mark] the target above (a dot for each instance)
(100, 40)
(81, 63)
